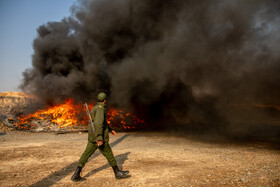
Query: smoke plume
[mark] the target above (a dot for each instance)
(170, 61)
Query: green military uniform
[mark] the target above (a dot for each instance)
(102, 129)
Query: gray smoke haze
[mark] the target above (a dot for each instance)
(169, 61)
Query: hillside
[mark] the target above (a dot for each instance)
(13, 103)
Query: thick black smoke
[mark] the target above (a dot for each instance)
(170, 61)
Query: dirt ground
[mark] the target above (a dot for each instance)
(153, 159)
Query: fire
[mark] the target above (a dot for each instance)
(64, 115)
(125, 120)
(69, 115)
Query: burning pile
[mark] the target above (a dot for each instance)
(120, 119)
(64, 115)
(72, 116)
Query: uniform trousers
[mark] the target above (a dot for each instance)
(105, 149)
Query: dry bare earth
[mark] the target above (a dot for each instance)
(154, 159)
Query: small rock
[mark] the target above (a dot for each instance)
(39, 129)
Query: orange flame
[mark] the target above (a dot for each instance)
(125, 120)
(67, 114)
(70, 114)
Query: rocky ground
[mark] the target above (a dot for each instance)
(154, 159)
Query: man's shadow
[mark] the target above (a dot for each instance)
(120, 160)
(62, 173)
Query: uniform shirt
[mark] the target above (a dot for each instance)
(102, 129)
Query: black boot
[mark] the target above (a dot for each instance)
(76, 176)
(120, 174)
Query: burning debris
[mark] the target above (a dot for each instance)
(121, 120)
(70, 116)
(54, 117)
(6, 123)
(64, 115)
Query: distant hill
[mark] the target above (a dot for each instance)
(14, 103)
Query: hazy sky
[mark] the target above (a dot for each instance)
(19, 20)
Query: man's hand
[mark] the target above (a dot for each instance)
(114, 133)
(99, 143)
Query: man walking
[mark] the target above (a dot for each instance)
(99, 140)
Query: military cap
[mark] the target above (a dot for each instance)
(101, 96)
